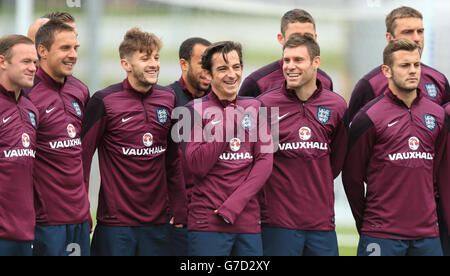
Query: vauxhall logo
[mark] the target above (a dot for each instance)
(72, 133)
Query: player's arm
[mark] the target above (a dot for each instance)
(260, 172)
(443, 174)
(338, 146)
(362, 94)
(203, 150)
(175, 184)
(94, 123)
(249, 88)
(360, 144)
(446, 97)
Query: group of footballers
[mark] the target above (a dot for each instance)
(239, 183)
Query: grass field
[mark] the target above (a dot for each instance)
(347, 240)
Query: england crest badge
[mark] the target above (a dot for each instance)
(430, 121)
(32, 118)
(162, 115)
(431, 89)
(77, 108)
(247, 122)
(323, 114)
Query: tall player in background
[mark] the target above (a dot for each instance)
(404, 22)
(18, 123)
(194, 83)
(130, 125)
(271, 75)
(61, 199)
(60, 16)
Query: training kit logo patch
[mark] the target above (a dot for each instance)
(71, 131)
(147, 139)
(431, 89)
(162, 115)
(414, 143)
(430, 121)
(304, 133)
(26, 140)
(235, 144)
(323, 114)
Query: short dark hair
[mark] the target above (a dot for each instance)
(223, 47)
(311, 44)
(399, 44)
(402, 12)
(137, 40)
(294, 16)
(9, 41)
(187, 46)
(61, 16)
(45, 36)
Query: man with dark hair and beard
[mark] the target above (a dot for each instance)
(396, 143)
(193, 83)
(140, 168)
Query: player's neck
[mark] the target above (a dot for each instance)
(194, 92)
(49, 72)
(406, 96)
(8, 86)
(306, 91)
(138, 86)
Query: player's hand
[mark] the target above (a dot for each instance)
(224, 219)
(172, 222)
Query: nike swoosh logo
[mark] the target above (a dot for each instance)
(215, 122)
(126, 120)
(49, 110)
(281, 117)
(392, 124)
(6, 120)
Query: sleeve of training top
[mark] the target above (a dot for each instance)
(175, 183)
(360, 144)
(202, 155)
(260, 172)
(338, 147)
(91, 133)
(249, 88)
(446, 97)
(444, 175)
(362, 94)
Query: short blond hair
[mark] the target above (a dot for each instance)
(137, 40)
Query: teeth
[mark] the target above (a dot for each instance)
(293, 75)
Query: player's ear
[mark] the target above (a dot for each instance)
(42, 51)
(389, 37)
(316, 62)
(386, 71)
(125, 64)
(280, 39)
(3, 62)
(184, 64)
